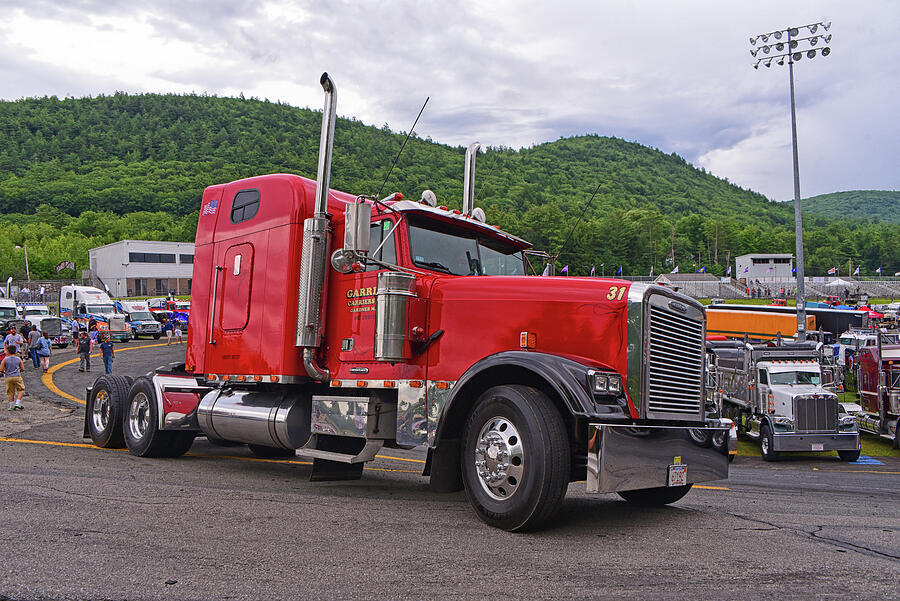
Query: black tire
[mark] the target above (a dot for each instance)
(181, 443)
(103, 411)
(271, 452)
(766, 443)
(655, 497)
(897, 435)
(156, 336)
(141, 424)
(515, 458)
(849, 455)
(699, 437)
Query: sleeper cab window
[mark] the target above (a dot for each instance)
(245, 206)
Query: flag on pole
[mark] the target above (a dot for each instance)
(856, 271)
(878, 270)
(832, 271)
(729, 270)
(592, 271)
(651, 271)
(565, 270)
(746, 269)
(546, 269)
(619, 272)
(701, 270)
(794, 270)
(674, 270)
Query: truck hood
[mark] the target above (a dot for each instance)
(788, 392)
(581, 318)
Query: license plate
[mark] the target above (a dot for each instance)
(818, 446)
(677, 475)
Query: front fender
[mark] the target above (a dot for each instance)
(565, 381)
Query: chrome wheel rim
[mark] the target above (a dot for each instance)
(100, 412)
(764, 443)
(139, 416)
(499, 458)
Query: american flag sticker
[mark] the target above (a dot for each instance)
(210, 208)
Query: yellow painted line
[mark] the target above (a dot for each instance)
(711, 487)
(200, 455)
(54, 444)
(399, 458)
(816, 469)
(47, 378)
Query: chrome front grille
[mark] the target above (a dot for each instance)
(674, 363)
(815, 414)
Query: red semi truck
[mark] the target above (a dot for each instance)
(421, 328)
(878, 378)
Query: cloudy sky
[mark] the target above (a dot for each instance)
(675, 75)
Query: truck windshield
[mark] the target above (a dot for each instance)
(141, 316)
(894, 378)
(7, 313)
(37, 312)
(462, 255)
(101, 309)
(796, 377)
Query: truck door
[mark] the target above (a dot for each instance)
(234, 287)
(763, 391)
(357, 297)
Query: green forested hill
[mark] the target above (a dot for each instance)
(77, 173)
(868, 205)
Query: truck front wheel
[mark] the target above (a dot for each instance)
(104, 411)
(654, 497)
(848, 455)
(767, 443)
(142, 434)
(515, 458)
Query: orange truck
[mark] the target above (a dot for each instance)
(757, 325)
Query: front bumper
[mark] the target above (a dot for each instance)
(848, 441)
(637, 457)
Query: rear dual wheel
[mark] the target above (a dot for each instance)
(141, 425)
(515, 458)
(104, 411)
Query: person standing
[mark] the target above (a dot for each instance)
(178, 337)
(12, 367)
(84, 352)
(106, 349)
(168, 328)
(13, 338)
(33, 337)
(43, 351)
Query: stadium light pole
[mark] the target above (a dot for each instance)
(787, 44)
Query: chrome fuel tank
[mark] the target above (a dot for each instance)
(273, 419)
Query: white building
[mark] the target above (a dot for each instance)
(143, 267)
(765, 267)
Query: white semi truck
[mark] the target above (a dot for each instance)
(59, 330)
(774, 393)
(83, 303)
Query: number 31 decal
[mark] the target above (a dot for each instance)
(616, 292)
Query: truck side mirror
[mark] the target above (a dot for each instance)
(357, 224)
(357, 236)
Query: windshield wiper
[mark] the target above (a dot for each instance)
(435, 265)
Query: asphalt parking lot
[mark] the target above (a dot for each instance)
(85, 523)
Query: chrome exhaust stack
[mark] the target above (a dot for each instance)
(468, 203)
(316, 242)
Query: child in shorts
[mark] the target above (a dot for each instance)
(12, 368)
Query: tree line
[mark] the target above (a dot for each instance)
(79, 173)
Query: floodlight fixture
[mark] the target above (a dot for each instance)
(794, 52)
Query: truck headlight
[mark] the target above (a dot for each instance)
(604, 382)
(783, 421)
(846, 420)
